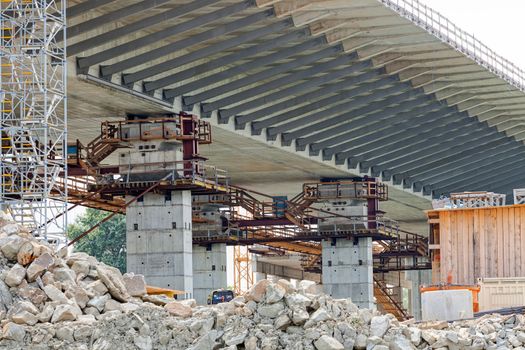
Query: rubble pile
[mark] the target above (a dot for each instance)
(51, 300)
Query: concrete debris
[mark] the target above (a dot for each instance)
(55, 301)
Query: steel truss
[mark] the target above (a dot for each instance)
(33, 119)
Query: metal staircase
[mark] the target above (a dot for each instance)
(388, 301)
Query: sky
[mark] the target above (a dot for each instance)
(498, 24)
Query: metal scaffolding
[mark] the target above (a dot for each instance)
(33, 120)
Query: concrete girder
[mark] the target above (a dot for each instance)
(340, 34)
(359, 154)
(113, 16)
(308, 79)
(340, 133)
(512, 181)
(385, 96)
(480, 110)
(354, 44)
(324, 26)
(461, 98)
(515, 130)
(378, 129)
(493, 117)
(351, 87)
(519, 136)
(305, 18)
(401, 173)
(458, 167)
(286, 8)
(209, 66)
(229, 73)
(506, 125)
(454, 144)
(106, 37)
(381, 157)
(464, 106)
(293, 122)
(141, 59)
(381, 59)
(411, 73)
(477, 171)
(83, 7)
(396, 136)
(438, 86)
(292, 77)
(146, 40)
(484, 182)
(259, 76)
(398, 66)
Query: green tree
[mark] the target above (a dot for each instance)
(107, 242)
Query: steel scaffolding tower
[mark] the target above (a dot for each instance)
(33, 120)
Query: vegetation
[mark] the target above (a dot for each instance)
(107, 242)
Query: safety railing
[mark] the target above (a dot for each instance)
(195, 170)
(448, 32)
(345, 190)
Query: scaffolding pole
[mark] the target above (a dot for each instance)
(33, 121)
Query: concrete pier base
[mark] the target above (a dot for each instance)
(159, 240)
(348, 271)
(209, 270)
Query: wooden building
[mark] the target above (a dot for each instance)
(470, 243)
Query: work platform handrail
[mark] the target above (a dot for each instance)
(448, 32)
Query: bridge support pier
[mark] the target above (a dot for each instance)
(348, 271)
(159, 239)
(209, 270)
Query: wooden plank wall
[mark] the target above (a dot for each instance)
(477, 243)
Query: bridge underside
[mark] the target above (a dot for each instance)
(299, 89)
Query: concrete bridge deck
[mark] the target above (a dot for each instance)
(299, 89)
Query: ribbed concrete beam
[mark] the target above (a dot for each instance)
(312, 102)
(262, 75)
(100, 39)
(296, 89)
(298, 75)
(381, 98)
(166, 66)
(211, 65)
(146, 40)
(376, 126)
(341, 132)
(230, 73)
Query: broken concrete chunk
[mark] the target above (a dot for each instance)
(113, 280)
(64, 313)
(258, 291)
(55, 294)
(10, 246)
(135, 284)
(39, 266)
(63, 274)
(15, 276)
(99, 302)
(13, 331)
(178, 309)
(97, 287)
(24, 317)
(328, 343)
(274, 293)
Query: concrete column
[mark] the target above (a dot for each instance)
(209, 270)
(417, 278)
(348, 270)
(159, 240)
